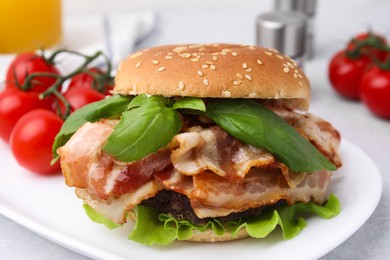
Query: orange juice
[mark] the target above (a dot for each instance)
(27, 25)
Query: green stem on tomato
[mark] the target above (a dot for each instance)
(53, 89)
(372, 41)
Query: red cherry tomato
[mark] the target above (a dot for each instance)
(80, 96)
(25, 64)
(380, 54)
(13, 105)
(375, 91)
(86, 80)
(345, 74)
(32, 139)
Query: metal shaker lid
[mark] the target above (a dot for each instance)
(284, 31)
(306, 6)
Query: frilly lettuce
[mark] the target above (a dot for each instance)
(152, 227)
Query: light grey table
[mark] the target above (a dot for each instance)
(234, 22)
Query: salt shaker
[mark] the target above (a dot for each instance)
(308, 7)
(284, 31)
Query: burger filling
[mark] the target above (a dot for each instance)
(203, 173)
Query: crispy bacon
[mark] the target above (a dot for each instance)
(213, 149)
(218, 173)
(214, 196)
(85, 165)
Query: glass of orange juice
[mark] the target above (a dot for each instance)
(27, 25)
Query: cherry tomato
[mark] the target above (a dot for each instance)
(373, 37)
(375, 91)
(86, 80)
(25, 64)
(79, 97)
(32, 139)
(345, 74)
(13, 105)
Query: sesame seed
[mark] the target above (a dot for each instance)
(290, 65)
(300, 84)
(194, 59)
(226, 50)
(181, 85)
(155, 62)
(274, 50)
(295, 75)
(252, 47)
(252, 95)
(199, 73)
(237, 82)
(138, 64)
(226, 93)
(248, 70)
(234, 53)
(299, 75)
(280, 57)
(286, 69)
(205, 66)
(209, 62)
(268, 53)
(179, 49)
(206, 82)
(223, 53)
(185, 55)
(137, 54)
(238, 75)
(259, 62)
(244, 66)
(168, 57)
(248, 77)
(215, 58)
(212, 67)
(161, 69)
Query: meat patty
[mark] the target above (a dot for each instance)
(178, 205)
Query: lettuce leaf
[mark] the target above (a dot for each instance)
(154, 228)
(99, 218)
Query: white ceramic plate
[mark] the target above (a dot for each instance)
(48, 207)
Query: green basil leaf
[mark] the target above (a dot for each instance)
(189, 103)
(142, 99)
(142, 131)
(110, 107)
(252, 123)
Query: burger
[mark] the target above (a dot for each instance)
(203, 142)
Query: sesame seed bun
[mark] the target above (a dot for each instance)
(210, 236)
(214, 71)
